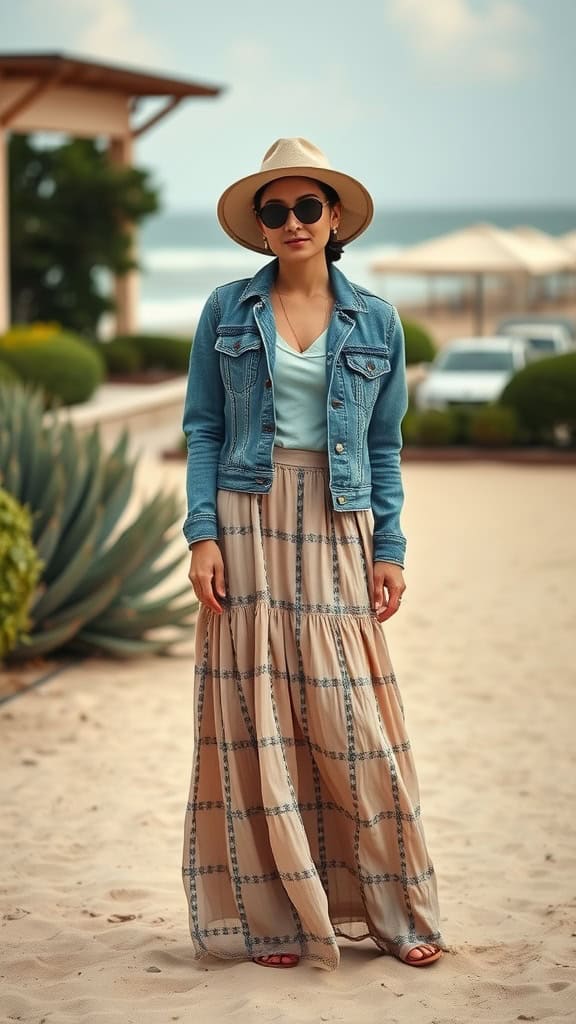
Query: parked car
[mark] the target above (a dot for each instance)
(568, 322)
(545, 337)
(471, 371)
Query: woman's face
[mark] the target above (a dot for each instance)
(296, 241)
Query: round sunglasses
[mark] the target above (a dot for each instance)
(307, 211)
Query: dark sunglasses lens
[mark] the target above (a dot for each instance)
(308, 211)
(274, 215)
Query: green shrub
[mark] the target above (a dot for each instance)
(20, 568)
(7, 374)
(31, 334)
(98, 590)
(160, 353)
(463, 415)
(66, 368)
(493, 426)
(121, 356)
(430, 427)
(409, 427)
(543, 395)
(420, 347)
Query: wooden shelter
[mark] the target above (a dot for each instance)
(46, 92)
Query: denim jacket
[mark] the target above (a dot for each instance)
(229, 417)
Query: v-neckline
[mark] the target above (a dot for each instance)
(306, 350)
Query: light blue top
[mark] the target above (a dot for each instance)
(300, 392)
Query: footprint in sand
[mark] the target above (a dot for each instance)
(129, 894)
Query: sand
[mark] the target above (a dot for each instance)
(95, 769)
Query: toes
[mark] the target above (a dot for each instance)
(277, 959)
(421, 952)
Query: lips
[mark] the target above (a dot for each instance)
(296, 241)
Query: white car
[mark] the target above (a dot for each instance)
(471, 371)
(544, 339)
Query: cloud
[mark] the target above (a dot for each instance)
(109, 30)
(292, 93)
(487, 42)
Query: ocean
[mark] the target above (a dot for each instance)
(184, 255)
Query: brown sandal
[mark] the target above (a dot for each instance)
(282, 960)
(431, 953)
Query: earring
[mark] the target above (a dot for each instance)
(265, 240)
(334, 233)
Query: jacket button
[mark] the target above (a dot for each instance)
(268, 383)
(336, 403)
(260, 480)
(339, 447)
(268, 428)
(341, 499)
(370, 366)
(236, 346)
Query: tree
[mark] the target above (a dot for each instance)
(69, 208)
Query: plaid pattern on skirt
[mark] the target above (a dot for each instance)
(303, 822)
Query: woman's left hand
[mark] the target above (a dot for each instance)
(388, 589)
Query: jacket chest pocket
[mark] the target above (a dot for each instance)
(240, 353)
(365, 369)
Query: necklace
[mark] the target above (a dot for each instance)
(301, 348)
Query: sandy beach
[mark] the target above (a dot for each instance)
(95, 769)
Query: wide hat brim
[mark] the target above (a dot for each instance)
(237, 218)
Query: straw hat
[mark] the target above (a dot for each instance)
(292, 158)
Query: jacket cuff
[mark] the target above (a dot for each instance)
(200, 528)
(389, 550)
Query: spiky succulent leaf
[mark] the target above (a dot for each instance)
(12, 475)
(137, 541)
(77, 468)
(132, 621)
(73, 537)
(48, 502)
(87, 609)
(42, 642)
(61, 590)
(148, 575)
(119, 647)
(115, 503)
(47, 541)
(116, 464)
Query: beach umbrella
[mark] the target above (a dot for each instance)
(476, 251)
(552, 250)
(569, 240)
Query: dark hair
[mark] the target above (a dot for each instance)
(333, 249)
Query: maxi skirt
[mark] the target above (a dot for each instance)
(303, 822)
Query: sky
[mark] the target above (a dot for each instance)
(428, 102)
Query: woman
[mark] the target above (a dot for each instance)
(303, 822)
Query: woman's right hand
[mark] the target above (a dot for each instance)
(207, 574)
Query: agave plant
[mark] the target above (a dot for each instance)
(95, 590)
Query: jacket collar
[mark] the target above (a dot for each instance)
(345, 294)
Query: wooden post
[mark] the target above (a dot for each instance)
(125, 287)
(4, 237)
